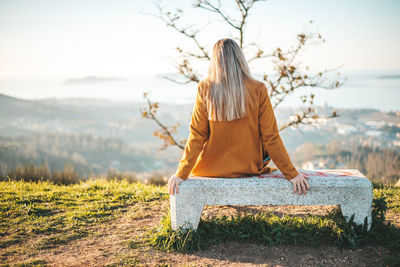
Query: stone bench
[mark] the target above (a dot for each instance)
(345, 187)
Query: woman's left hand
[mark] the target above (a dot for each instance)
(173, 183)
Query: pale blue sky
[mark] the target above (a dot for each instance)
(75, 38)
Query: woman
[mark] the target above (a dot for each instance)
(233, 129)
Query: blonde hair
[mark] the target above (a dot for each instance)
(227, 97)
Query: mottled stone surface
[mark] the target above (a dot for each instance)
(345, 187)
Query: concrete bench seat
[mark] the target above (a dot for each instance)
(345, 187)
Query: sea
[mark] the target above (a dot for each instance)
(361, 89)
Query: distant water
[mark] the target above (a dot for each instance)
(361, 90)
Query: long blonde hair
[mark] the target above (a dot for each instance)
(227, 96)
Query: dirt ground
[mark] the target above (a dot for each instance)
(121, 242)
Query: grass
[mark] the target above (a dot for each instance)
(268, 229)
(39, 216)
(58, 214)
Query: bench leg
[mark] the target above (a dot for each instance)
(360, 213)
(184, 212)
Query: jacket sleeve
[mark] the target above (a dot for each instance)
(199, 131)
(271, 139)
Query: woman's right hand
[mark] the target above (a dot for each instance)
(299, 183)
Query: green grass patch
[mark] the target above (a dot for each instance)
(391, 194)
(60, 213)
(34, 262)
(268, 229)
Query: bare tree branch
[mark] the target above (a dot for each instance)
(287, 78)
(166, 133)
(171, 20)
(210, 7)
(307, 117)
(243, 6)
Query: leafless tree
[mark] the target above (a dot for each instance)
(288, 75)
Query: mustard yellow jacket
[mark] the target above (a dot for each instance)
(235, 148)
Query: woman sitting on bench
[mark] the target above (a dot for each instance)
(233, 129)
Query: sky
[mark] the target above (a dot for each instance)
(73, 39)
(117, 38)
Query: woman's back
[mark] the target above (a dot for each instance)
(235, 148)
(233, 130)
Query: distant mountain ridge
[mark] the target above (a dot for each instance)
(92, 79)
(395, 76)
(14, 107)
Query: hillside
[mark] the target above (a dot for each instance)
(99, 137)
(16, 108)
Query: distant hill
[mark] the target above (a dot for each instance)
(13, 108)
(95, 135)
(62, 130)
(396, 76)
(92, 80)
